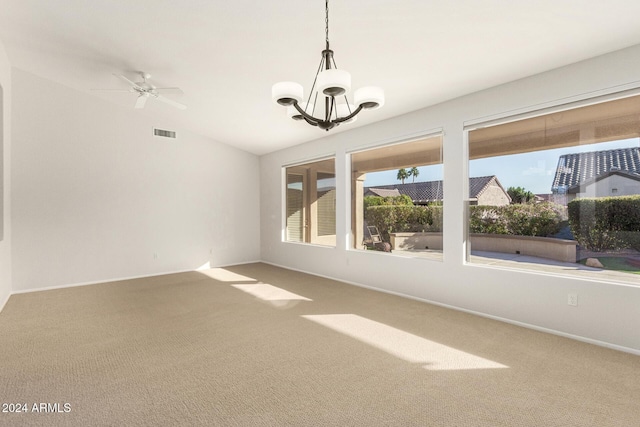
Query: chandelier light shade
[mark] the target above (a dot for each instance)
(286, 93)
(334, 82)
(333, 85)
(369, 97)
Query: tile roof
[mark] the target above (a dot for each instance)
(431, 190)
(384, 192)
(575, 169)
(478, 184)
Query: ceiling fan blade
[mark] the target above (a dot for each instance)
(129, 82)
(175, 90)
(142, 99)
(112, 90)
(171, 102)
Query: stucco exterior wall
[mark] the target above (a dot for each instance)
(614, 185)
(493, 195)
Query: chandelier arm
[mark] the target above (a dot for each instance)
(346, 101)
(315, 80)
(334, 108)
(310, 122)
(350, 116)
(333, 59)
(327, 109)
(306, 116)
(315, 102)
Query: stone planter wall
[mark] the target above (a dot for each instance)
(543, 247)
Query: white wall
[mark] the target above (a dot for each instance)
(95, 195)
(5, 244)
(604, 188)
(607, 313)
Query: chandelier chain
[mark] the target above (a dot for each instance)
(326, 21)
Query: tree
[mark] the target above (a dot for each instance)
(520, 195)
(402, 174)
(413, 173)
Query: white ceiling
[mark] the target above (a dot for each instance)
(225, 55)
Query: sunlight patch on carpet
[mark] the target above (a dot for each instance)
(225, 275)
(270, 293)
(406, 346)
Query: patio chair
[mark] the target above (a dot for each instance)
(375, 242)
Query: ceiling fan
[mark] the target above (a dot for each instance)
(146, 90)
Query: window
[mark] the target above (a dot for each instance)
(311, 203)
(397, 198)
(572, 179)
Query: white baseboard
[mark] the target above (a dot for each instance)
(117, 279)
(477, 313)
(3, 303)
(239, 263)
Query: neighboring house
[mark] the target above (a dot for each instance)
(484, 190)
(598, 174)
(542, 198)
(612, 183)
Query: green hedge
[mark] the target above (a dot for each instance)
(542, 219)
(402, 199)
(404, 218)
(524, 220)
(606, 223)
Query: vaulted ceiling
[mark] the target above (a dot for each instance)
(225, 55)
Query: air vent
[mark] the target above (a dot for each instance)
(164, 133)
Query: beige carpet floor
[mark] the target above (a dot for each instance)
(256, 345)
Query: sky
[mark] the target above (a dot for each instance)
(533, 171)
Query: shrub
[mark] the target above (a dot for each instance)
(606, 223)
(404, 218)
(486, 219)
(541, 219)
(403, 199)
(520, 219)
(435, 226)
(629, 239)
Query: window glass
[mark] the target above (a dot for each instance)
(559, 192)
(397, 198)
(311, 203)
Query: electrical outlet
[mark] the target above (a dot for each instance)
(572, 299)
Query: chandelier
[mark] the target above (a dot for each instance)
(333, 84)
